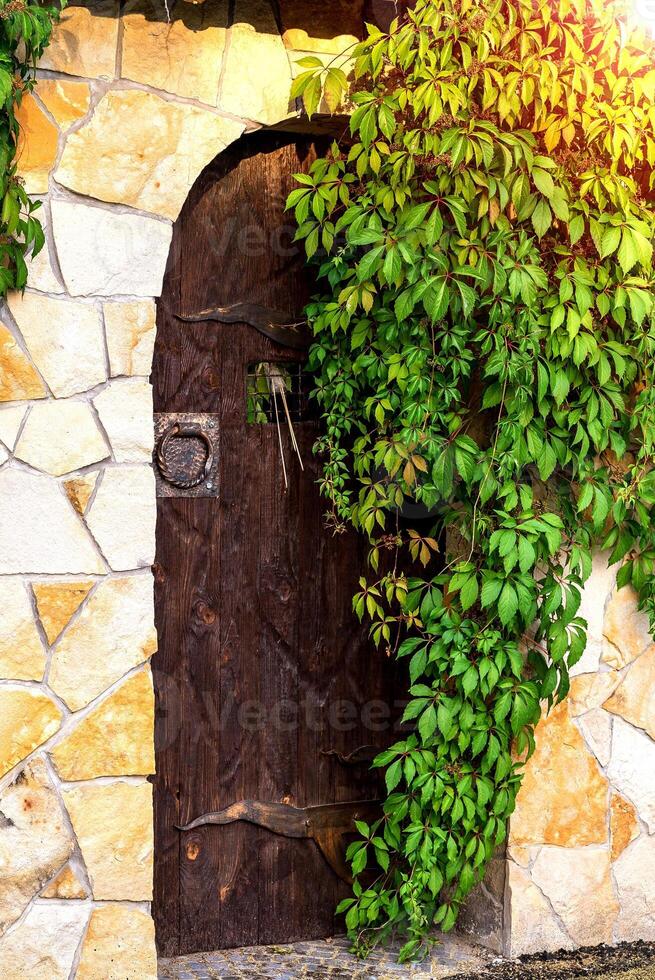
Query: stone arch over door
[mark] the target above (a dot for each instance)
(127, 111)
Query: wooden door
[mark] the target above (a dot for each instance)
(265, 680)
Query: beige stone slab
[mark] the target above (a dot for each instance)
(534, 928)
(66, 101)
(125, 410)
(27, 719)
(631, 768)
(182, 56)
(596, 727)
(257, 77)
(122, 516)
(41, 273)
(64, 338)
(67, 884)
(590, 691)
(106, 253)
(113, 633)
(578, 884)
(84, 42)
(35, 841)
(113, 826)
(595, 597)
(130, 330)
(79, 490)
(18, 377)
(116, 738)
(43, 945)
(61, 436)
(22, 656)
(144, 151)
(10, 423)
(38, 141)
(634, 873)
(56, 602)
(522, 854)
(634, 698)
(560, 774)
(49, 538)
(626, 629)
(119, 944)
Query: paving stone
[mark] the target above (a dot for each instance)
(329, 959)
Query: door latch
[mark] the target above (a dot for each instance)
(186, 454)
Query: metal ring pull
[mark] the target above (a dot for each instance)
(180, 431)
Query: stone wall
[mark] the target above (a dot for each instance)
(581, 852)
(128, 110)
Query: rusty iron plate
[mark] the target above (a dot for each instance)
(186, 454)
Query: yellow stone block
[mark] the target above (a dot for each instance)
(634, 698)
(130, 329)
(589, 691)
(65, 101)
(27, 719)
(66, 884)
(256, 82)
(119, 945)
(141, 150)
(22, 656)
(18, 376)
(60, 436)
(116, 738)
(560, 774)
(113, 826)
(79, 490)
(624, 825)
(625, 629)
(36, 152)
(85, 40)
(56, 602)
(112, 634)
(183, 55)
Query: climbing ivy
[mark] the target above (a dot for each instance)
(25, 30)
(484, 353)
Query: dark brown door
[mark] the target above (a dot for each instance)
(264, 676)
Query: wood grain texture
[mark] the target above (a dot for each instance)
(262, 669)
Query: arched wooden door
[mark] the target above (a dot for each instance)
(265, 680)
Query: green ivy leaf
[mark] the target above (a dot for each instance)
(508, 603)
(541, 218)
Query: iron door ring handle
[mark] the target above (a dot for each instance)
(181, 431)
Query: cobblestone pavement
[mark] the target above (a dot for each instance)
(329, 959)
